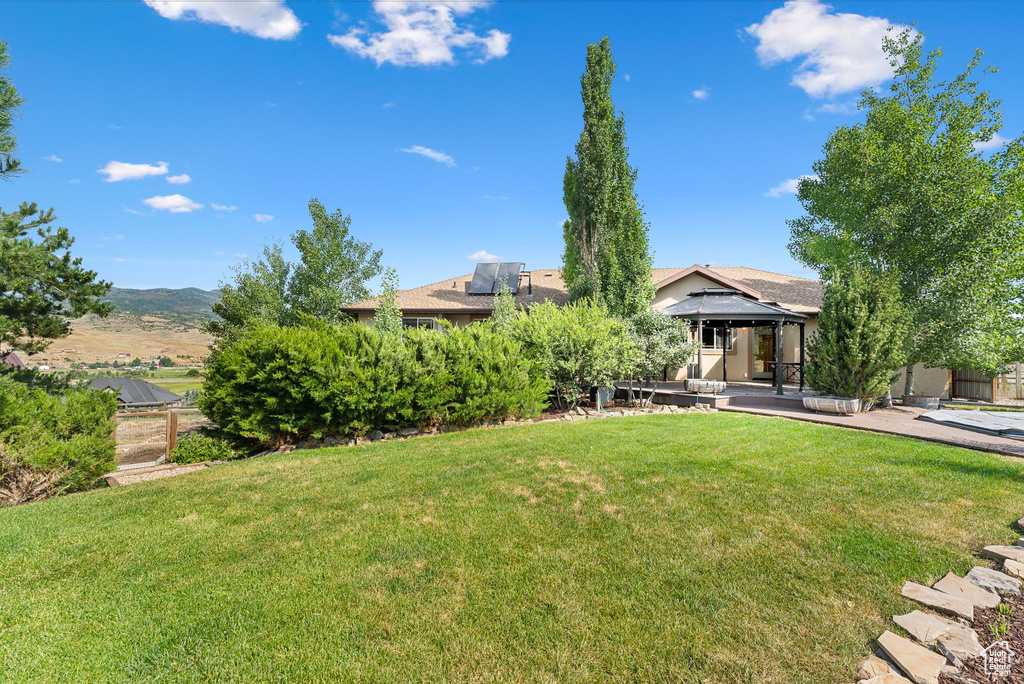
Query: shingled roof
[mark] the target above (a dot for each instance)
(11, 359)
(449, 296)
(135, 392)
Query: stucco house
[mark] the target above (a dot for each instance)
(742, 353)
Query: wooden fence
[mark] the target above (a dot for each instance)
(148, 437)
(1005, 387)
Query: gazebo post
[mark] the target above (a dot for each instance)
(700, 347)
(801, 357)
(778, 356)
(725, 353)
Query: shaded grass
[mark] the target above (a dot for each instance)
(695, 548)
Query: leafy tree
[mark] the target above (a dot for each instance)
(42, 286)
(859, 345)
(661, 342)
(332, 271)
(607, 255)
(166, 362)
(908, 193)
(333, 267)
(10, 101)
(504, 313)
(387, 317)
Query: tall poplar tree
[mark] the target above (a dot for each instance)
(607, 255)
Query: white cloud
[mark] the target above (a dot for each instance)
(53, 158)
(263, 218)
(118, 259)
(422, 33)
(180, 179)
(261, 18)
(991, 144)
(218, 252)
(176, 204)
(701, 93)
(430, 154)
(483, 255)
(74, 181)
(495, 197)
(118, 171)
(839, 52)
(787, 187)
(222, 207)
(129, 210)
(626, 76)
(241, 255)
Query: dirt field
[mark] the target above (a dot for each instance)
(123, 338)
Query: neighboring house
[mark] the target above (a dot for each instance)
(133, 393)
(749, 351)
(11, 359)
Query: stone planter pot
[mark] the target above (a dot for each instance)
(705, 386)
(931, 403)
(841, 407)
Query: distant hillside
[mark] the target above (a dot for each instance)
(185, 305)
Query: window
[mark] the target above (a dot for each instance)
(419, 323)
(713, 338)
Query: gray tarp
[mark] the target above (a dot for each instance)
(1000, 423)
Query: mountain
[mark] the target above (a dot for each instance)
(188, 304)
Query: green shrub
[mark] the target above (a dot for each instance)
(272, 384)
(577, 346)
(66, 437)
(192, 374)
(858, 347)
(199, 446)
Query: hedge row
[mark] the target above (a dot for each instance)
(276, 384)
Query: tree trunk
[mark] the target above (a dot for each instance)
(908, 387)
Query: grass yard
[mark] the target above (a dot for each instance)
(694, 548)
(179, 386)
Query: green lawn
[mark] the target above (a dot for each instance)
(694, 548)
(180, 386)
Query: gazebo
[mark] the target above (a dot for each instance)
(726, 308)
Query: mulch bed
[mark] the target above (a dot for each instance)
(984, 620)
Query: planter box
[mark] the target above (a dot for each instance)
(705, 386)
(921, 402)
(842, 407)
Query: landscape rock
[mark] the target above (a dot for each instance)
(331, 441)
(887, 678)
(872, 666)
(1020, 542)
(1020, 523)
(1001, 552)
(408, 432)
(932, 630)
(285, 449)
(937, 600)
(1013, 568)
(917, 662)
(352, 442)
(961, 588)
(375, 435)
(987, 578)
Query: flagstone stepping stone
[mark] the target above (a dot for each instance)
(932, 630)
(1000, 552)
(917, 662)
(961, 588)
(887, 678)
(937, 600)
(987, 578)
(872, 666)
(1013, 568)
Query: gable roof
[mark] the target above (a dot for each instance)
(12, 359)
(135, 392)
(450, 297)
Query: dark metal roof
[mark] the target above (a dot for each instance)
(135, 392)
(12, 359)
(724, 305)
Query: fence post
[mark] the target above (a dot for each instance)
(172, 431)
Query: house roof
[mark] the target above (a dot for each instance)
(135, 392)
(729, 307)
(449, 296)
(11, 359)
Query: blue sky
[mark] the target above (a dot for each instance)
(185, 142)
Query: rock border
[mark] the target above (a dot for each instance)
(940, 644)
(579, 413)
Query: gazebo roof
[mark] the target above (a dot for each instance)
(722, 306)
